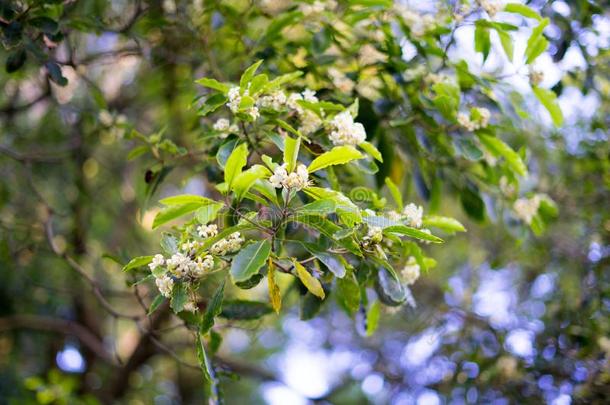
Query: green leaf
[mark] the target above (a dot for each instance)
(137, 262)
(499, 148)
(208, 213)
(549, 100)
(214, 84)
(472, 203)
(169, 243)
(245, 180)
(447, 99)
(281, 22)
(396, 195)
(154, 305)
(244, 310)
(348, 293)
(310, 282)
(482, 42)
(259, 82)
(328, 229)
(213, 310)
(445, 223)
(249, 74)
(332, 262)
(179, 297)
(291, 152)
(207, 372)
(187, 199)
(283, 79)
(412, 232)
(348, 212)
(235, 163)
(467, 148)
(319, 207)
(507, 43)
(388, 288)
(137, 151)
(372, 318)
(212, 104)
(523, 10)
(249, 260)
(536, 44)
(336, 156)
(172, 212)
(371, 150)
(15, 60)
(251, 282)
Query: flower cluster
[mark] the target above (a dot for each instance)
(234, 103)
(413, 215)
(369, 55)
(346, 131)
(274, 101)
(225, 127)
(478, 118)
(536, 76)
(410, 273)
(310, 122)
(418, 23)
(490, 6)
(373, 237)
(527, 208)
(207, 231)
(341, 81)
(227, 245)
(187, 265)
(296, 180)
(317, 7)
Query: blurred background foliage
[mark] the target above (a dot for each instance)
(505, 317)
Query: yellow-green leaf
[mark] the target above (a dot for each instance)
(310, 282)
(275, 295)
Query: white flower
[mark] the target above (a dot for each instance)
(222, 125)
(201, 266)
(253, 112)
(310, 122)
(491, 7)
(274, 101)
(527, 208)
(292, 102)
(464, 121)
(279, 176)
(309, 96)
(165, 284)
(413, 215)
(419, 24)
(393, 215)
(341, 81)
(234, 99)
(374, 235)
(410, 273)
(157, 261)
(179, 264)
(228, 245)
(536, 76)
(317, 7)
(298, 179)
(190, 306)
(207, 231)
(369, 55)
(484, 116)
(346, 131)
(478, 118)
